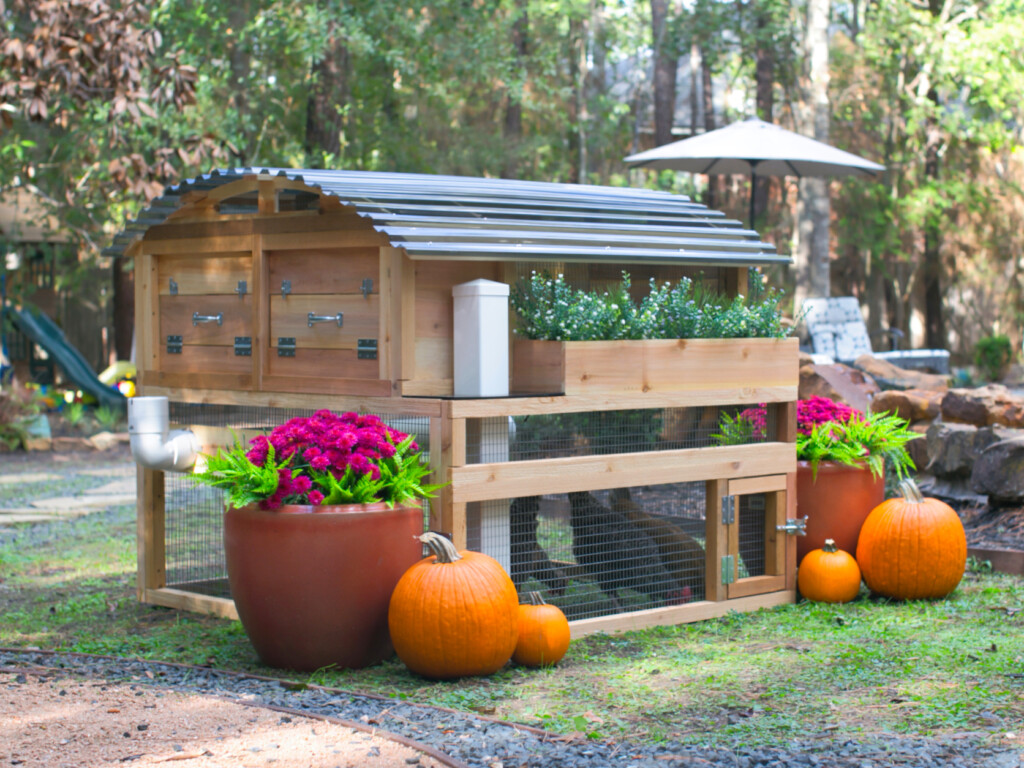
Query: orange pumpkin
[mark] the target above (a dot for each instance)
(454, 613)
(543, 633)
(829, 575)
(911, 547)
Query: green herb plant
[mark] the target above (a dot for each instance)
(992, 355)
(107, 417)
(74, 412)
(550, 309)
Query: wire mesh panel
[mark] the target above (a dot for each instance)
(547, 436)
(599, 553)
(193, 515)
(751, 520)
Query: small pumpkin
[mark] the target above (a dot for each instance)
(829, 575)
(454, 613)
(543, 633)
(912, 547)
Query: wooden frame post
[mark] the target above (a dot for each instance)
(149, 523)
(447, 450)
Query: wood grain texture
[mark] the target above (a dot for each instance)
(756, 585)
(199, 380)
(479, 482)
(204, 359)
(324, 270)
(289, 318)
(192, 602)
(716, 540)
(321, 363)
(149, 531)
(683, 614)
(361, 404)
(325, 385)
(176, 318)
(211, 274)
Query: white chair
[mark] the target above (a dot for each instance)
(836, 329)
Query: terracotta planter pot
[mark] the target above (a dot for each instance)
(313, 589)
(836, 504)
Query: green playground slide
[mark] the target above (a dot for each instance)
(44, 332)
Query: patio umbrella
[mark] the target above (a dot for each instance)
(758, 148)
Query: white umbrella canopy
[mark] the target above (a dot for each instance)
(758, 148)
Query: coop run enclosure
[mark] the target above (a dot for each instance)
(263, 294)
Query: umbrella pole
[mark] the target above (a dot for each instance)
(753, 183)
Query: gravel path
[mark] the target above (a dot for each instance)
(481, 742)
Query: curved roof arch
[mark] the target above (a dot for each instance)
(466, 218)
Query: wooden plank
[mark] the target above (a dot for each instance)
(327, 386)
(682, 614)
(786, 430)
(407, 297)
(756, 585)
(536, 368)
(434, 359)
(668, 365)
(176, 318)
(1003, 560)
(389, 321)
(362, 404)
(212, 438)
(289, 318)
(151, 564)
(196, 274)
(716, 540)
(188, 246)
(748, 485)
(448, 451)
(734, 280)
(479, 482)
(775, 540)
(146, 309)
(320, 364)
(528, 406)
(267, 201)
(261, 321)
(427, 388)
(195, 358)
(176, 229)
(790, 565)
(311, 221)
(325, 270)
(330, 239)
(198, 380)
(192, 602)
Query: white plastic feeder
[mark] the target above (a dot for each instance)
(153, 445)
(481, 339)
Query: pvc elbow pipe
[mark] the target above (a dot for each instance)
(153, 445)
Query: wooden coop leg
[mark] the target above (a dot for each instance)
(716, 541)
(150, 532)
(447, 450)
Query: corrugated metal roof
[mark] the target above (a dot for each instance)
(464, 218)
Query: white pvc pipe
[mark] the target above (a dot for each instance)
(153, 445)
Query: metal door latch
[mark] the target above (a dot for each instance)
(174, 287)
(242, 288)
(728, 510)
(794, 527)
(367, 287)
(286, 288)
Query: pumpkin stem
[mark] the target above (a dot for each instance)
(911, 493)
(830, 545)
(536, 599)
(441, 547)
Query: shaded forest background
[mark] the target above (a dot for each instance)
(104, 102)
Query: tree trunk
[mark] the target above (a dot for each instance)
(124, 310)
(813, 248)
(764, 73)
(935, 326)
(595, 84)
(575, 113)
(328, 95)
(239, 57)
(714, 194)
(514, 110)
(665, 65)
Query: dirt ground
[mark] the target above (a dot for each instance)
(48, 722)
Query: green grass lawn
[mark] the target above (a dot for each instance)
(868, 668)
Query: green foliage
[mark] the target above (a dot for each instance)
(876, 440)
(107, 417)
(734, 430)
(245, 482)
(992, 354)
(401, 480)
(15, 414)
(549, 308)
(73, 412)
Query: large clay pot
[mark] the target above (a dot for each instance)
(312, 587)
(835, 505)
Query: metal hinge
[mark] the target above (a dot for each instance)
(243, 346)
(174, 345)
(174, 287)
(285, 346)
(242, 288)
(728, 510)
(366, 349)
(728, 569)
(367, 287)
(286, 288)
(794, 527)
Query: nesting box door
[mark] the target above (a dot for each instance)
(751, 541)
(206, 319)
(324, 321)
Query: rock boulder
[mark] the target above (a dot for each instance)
(999, 471)
(889, 376)
(984, 406)
(953, 449)
(837, 382)
(914, 405)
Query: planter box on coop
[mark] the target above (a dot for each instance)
(266, 295)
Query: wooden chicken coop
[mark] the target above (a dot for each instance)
(264, 294)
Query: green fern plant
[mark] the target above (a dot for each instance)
(245, 482)
(874, 441)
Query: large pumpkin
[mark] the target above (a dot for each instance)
(454, 613)
(911, 547)
(829, 575)
(543, 633)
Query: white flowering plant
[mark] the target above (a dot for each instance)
(548, 308)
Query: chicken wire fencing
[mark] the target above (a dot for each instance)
(548, 436)
(193, 515)
(600, 553)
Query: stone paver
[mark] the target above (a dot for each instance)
(124, 471)
(83, 502)
(114, 488)
(28, 477)
(119, 491)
